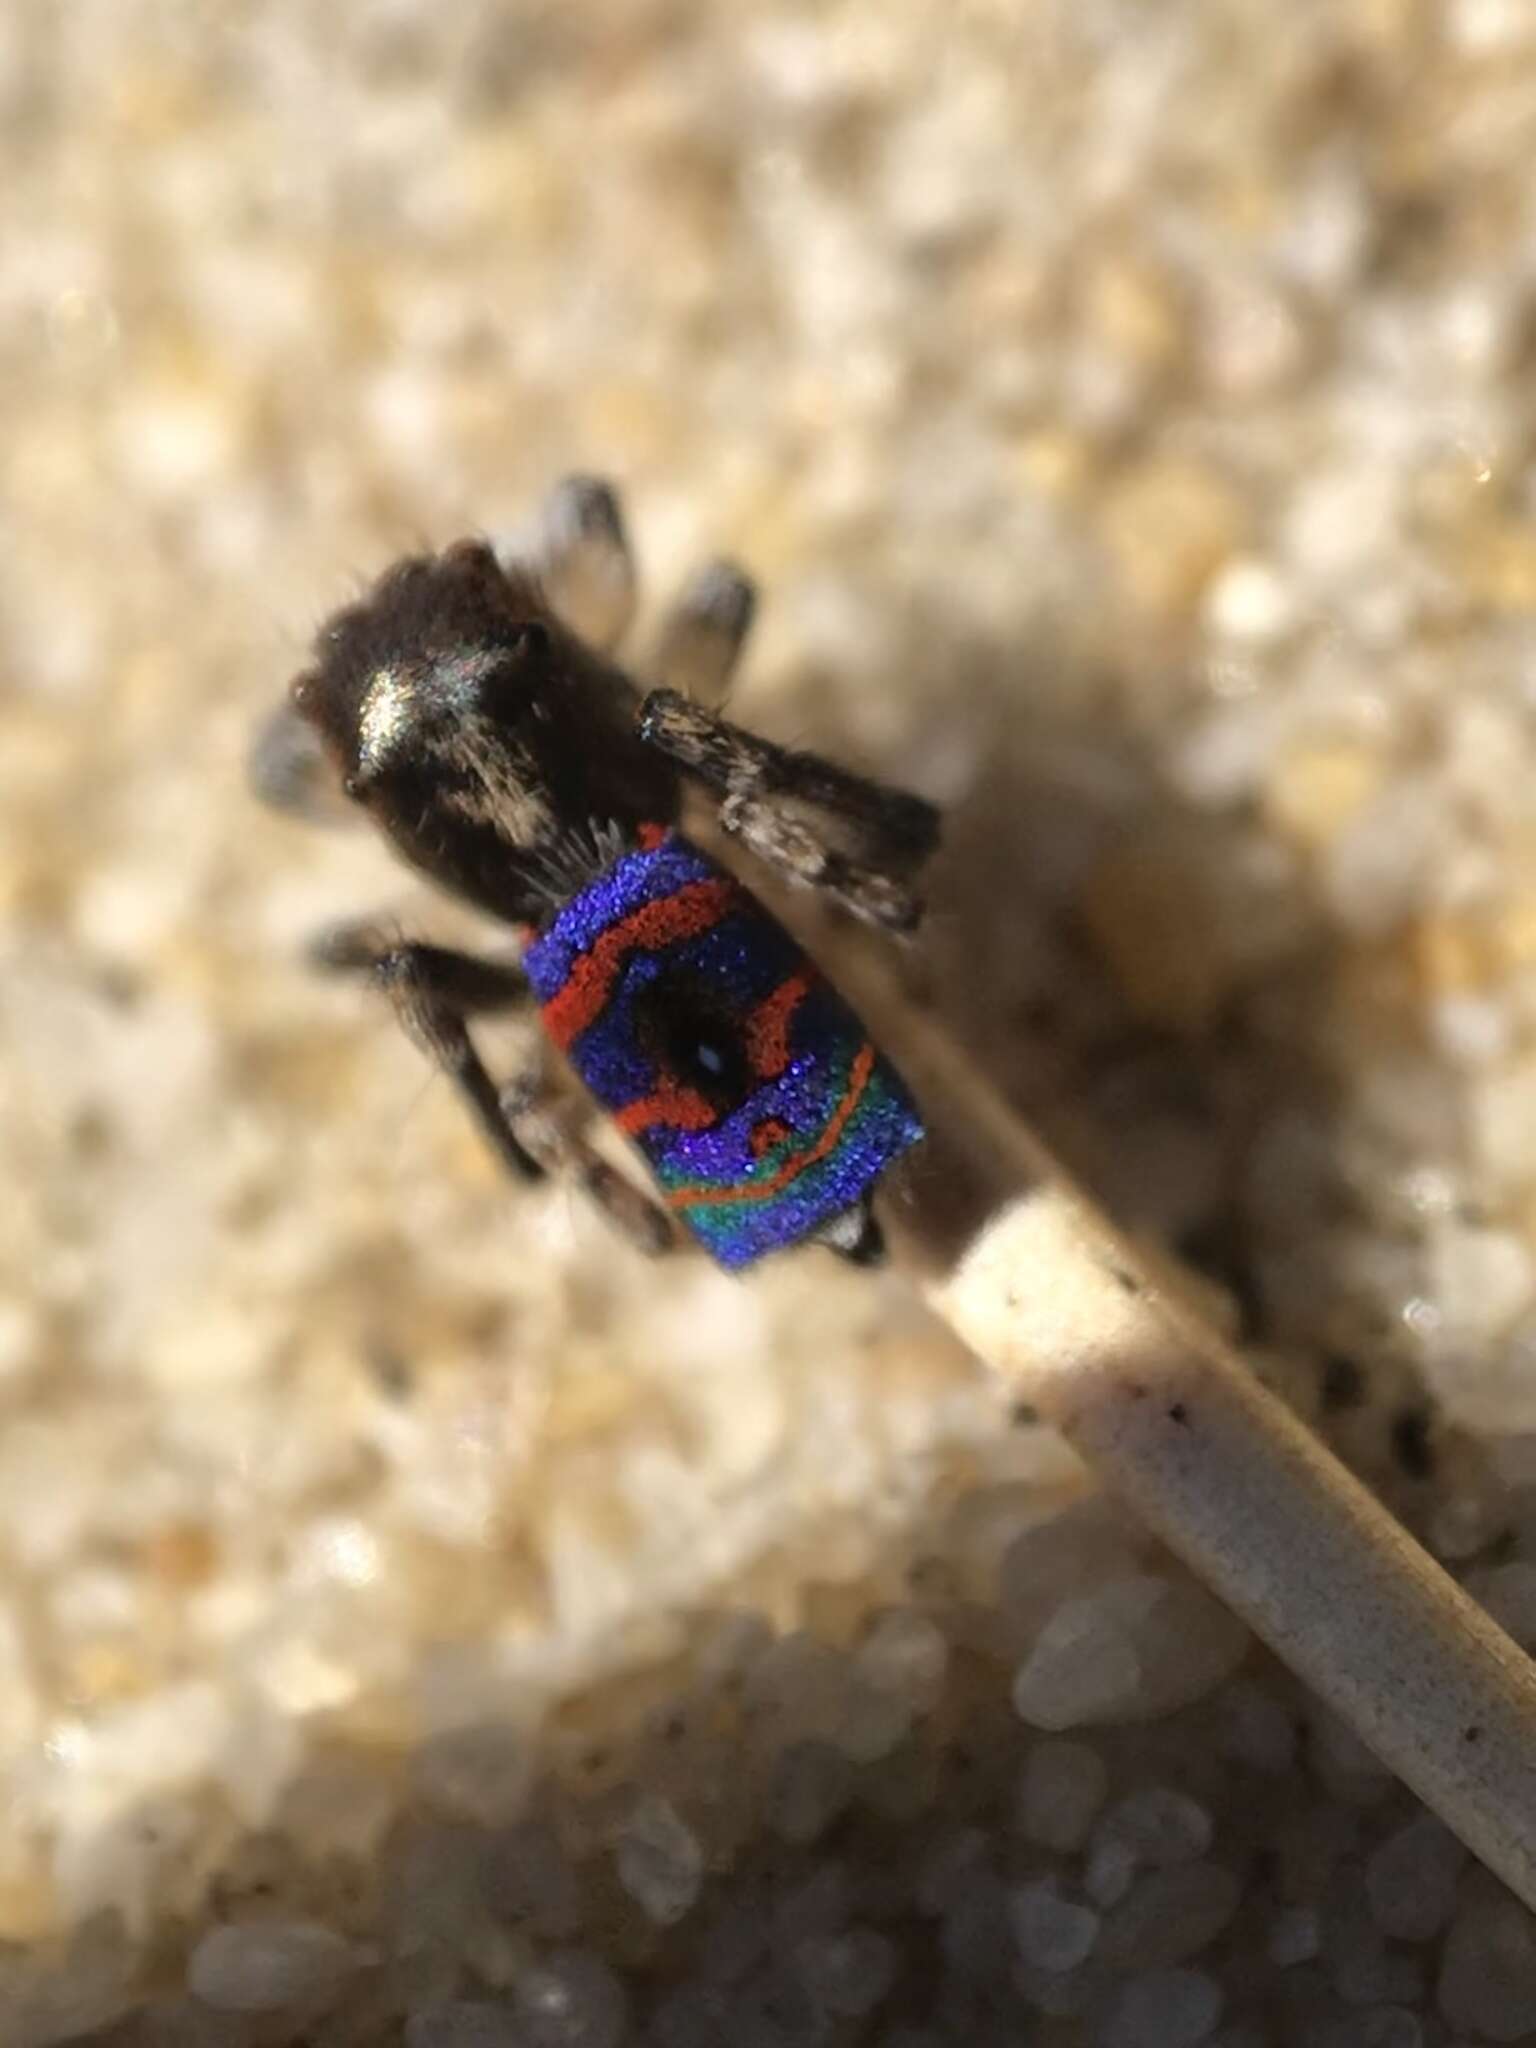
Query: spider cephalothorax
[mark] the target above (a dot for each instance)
(493, 746)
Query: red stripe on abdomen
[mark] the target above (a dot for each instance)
(709, 1198)
(588, 986)
(768, 1025)
(684, 1109)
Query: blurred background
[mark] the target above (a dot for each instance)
(1127, 410)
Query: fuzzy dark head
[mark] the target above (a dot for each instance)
(495, 750)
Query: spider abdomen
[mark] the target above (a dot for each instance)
(753, 1092)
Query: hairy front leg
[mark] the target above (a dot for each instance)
(705, 632)
(814, 822)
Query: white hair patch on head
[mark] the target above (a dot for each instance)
(385, 713)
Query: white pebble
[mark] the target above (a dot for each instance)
(1052, 1933)
(1374, 870)
(21, 1338)
(1411, 1879)
(1294, 1937)
(571, 1999)
(1481, 1280)
(1168, 2008)
(1083, 1669)
(1339, 518)
(1158, 1825)
(174, 445)
(1136, 1649)
(1502, 1120)
(1489, 28)
(1062, 1788)
(21, 1707)
(1461, 1524)
(1471, 1031)
(266, 1966)
(905, 1654)
(1250, 338)
(1326, 226)
(1250, 601)
(1228, 752)
(1109, 1871)
(660, 1862)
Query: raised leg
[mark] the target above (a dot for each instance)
(580, 553)
(703, 635)
(811, 820)
(288, 770)
(434, 990)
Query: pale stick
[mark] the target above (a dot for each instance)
(1035, 1281)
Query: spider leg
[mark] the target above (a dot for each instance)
(812, 821)
(798, 851)
(551, 1127)
(434, 990)
(855, 1235)
(287, 769)
(581, 555)
(703, 635)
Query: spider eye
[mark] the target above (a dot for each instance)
(532, 641)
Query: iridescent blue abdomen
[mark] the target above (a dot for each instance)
(759, 1102)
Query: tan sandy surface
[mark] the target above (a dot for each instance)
(1127, 409)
